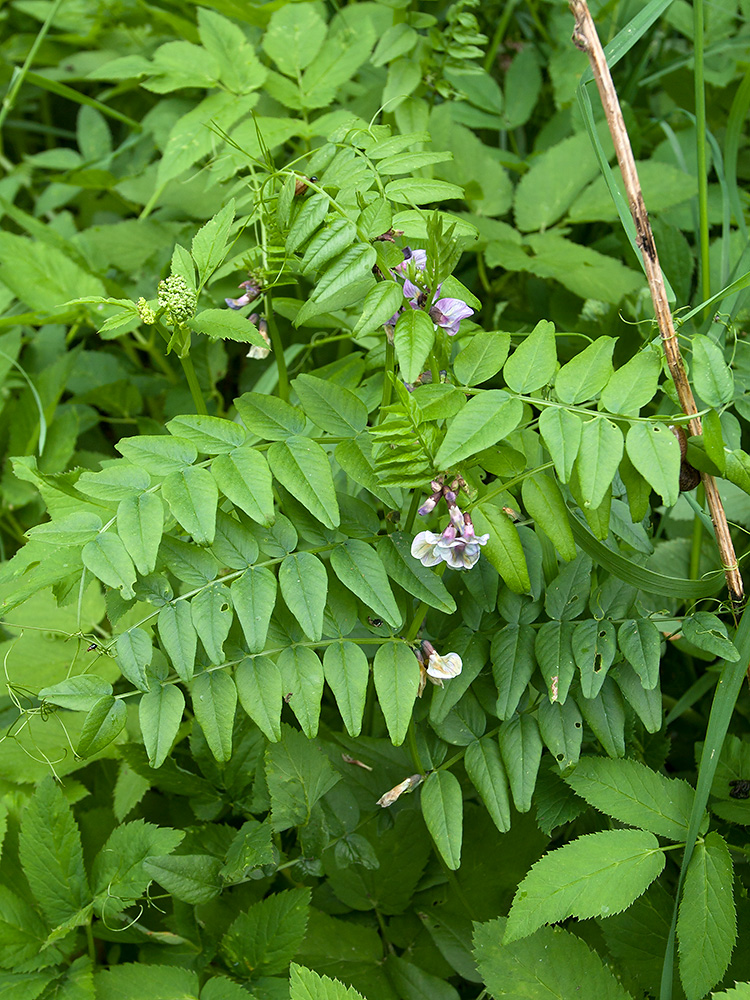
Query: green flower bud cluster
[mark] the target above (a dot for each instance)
(177, 299)
(147, 314)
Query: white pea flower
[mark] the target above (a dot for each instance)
(440, 668)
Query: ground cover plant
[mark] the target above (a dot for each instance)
(364, 627)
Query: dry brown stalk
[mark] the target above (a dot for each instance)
(586, 38)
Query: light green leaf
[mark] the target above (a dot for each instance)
(209, 243)
(421, 190)
(595, 875)
(329, 242)
(117, 875)
(304, 586)
(347, 673)
(544, 502)
(414, 337)
(212, 615)
(77, 694)
(707, 923)
(157, 454)
(160, 715)
(72, 529)
(261, 691)
(226, 324)
(355, 458)
(561, 432)
(333, 407)
(381, 302)
(263, 939)
(103, 724)
(533, 362)
(443, 811)
(106, 557)
(418, 580)
(521, 751)
(134, 652)
(588, 372)
(157, 982)
(485, 420)
(360, 569)
(140, 522)
(214, 697)
(504, 549)
(640, 643)
(193, 878)
(712, 377)
(178, 637)
(302, 678)
(302, 467)
(633, 385)
(293, 37)
(485, 769)
(244, 478)
(346, 272)
(634, 794)
(254, 597)
(396, 676)
(51, 855)
(655, 453)
(192, 497)
(310, 215)
(598, 457)
(269, 417)
(210, 435)
(298, 774)
(482, 357)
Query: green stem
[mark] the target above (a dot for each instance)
(90, 942)
(278, 349)
(192, 381)
(434, 368)
(499, 34)
(415, 498)
(700, 139)
(414, 749)
(388, 371)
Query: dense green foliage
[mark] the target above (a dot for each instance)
(350, 643)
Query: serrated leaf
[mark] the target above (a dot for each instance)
(263, 939)
(214, 698)
(192, 497)
(158, 982)
(485, 420)
(178, 637)
(117, 875)
(485, 769)
(360, 569)
(561, 433)
(414, 337)
(261, 693)
(442, 808)
(208, 248)
(544, 501)
(298, 774)
(533, 362)
(140, 521)
(707, 923)
(302, 467)
(634, 794)
(160, 714)
(521, 751)
(226, 324)
(594, 875)
(396, 676)
(655, 453)
(302, 678)
(347, 673)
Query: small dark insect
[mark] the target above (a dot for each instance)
(288, 697)
(91, 647)
(375, 622)
(300, 186)
(740, 788)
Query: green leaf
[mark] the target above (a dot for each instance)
(418, 580)
(210, 435)
(157, 982)
(544, 502)
(593, 876)
(355, 458)
(396, 676)
(414, 337)
(310, 215)
(106, 557)
(304, 586)
(588, 372)
(553, 964)
(485, 769)
(634, 794)
(160, 714)
(646, 704)
(359, 568)
(192, 497)
(707, 924)
(178, 637)
(140, 522)
(77, 694)
(594, 648)
(712, 377)
(103, 724)
(134, 653)
(193, 878)
(605, 716)
(214, 698)
(254, 597)
(260, 689)
(330, 241)
(640, 643)
(708, 632)
(347, 673)
(655, 453)
(263, 939)
(226, 324)
(485, 420)
(553, 648)
(302, 678)
(269, 417)
(561, 729)
(598, 457)
(443, 811)
(521, 751)
(293, 38)
(298, 774)
(302, 467)
(482, 357)
(73, 529)
(244, 478)
(345, 274)
(308, 985)
(158, 454)
(51, 856)
(212, 615)
(561, 432)
(251, 847)
(333, 407)
(209, 243)
(633, 385)
(533, 362)
(381, 302)
(504, 549)
(118, 876)
(513, 663)
(421, 190)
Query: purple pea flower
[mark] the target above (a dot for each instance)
(448, 313)
(252, 291)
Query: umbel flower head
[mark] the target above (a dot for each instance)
(176, 298)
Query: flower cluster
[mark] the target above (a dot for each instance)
(446, 313)
(177, 299)
(252, 291)
(458, 545)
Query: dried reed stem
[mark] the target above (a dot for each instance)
(586, 38)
